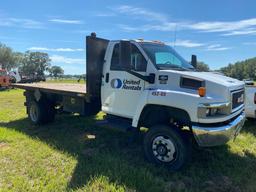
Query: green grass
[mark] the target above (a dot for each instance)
(72, 154)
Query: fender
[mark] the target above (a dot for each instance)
(176, 99)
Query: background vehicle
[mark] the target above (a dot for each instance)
(4, 79)
(14, 76)
(141, 83)
(32, 78)
(248, 82)
(17, 77)
(250, 101)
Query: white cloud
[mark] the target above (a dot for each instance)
(217, 26)
(18, 22)
(66, 21)
(249, 43)
(136, 11)
(192, 44)
(54, 49)
(152, 27)
(129, 28)
(66, 60)
(234, 28)
(186, 43)
(243, 32)
(239, 27)
(105, 14)
(217, 47)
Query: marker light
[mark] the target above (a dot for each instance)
(157, 41)
(201, 91)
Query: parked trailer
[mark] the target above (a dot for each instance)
(148, 84)
(4, 79)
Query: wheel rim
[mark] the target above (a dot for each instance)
(164, 149)
(33, 113)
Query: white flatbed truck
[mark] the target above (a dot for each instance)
(149, 85)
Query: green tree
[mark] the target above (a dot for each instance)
(56, 71)
(35, 63)
(241, 70)
(201, 66)
(8, 58)
(16, 60)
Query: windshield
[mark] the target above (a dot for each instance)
(164, 57)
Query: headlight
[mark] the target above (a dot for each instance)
(213, 109)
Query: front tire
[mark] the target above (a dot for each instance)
(166, 145)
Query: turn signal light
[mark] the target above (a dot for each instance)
(201, 91)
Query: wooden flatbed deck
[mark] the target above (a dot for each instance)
(61, 88)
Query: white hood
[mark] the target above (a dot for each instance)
(211, 77)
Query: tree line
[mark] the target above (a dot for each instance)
(241, 70)
(28, 63)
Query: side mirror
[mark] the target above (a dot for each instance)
(125, 54)
(194, 61)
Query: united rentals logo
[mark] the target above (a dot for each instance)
(116, 83)
(125, 84)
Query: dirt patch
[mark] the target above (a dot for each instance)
(89, 152)
(220, 184)
(175, 186)
(3, 145)
(216, 184)
(182, 185)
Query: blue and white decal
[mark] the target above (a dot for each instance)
(128, 84)
(116, 83)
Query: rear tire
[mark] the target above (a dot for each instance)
(166, 145)
(92, 108)
(41, 112)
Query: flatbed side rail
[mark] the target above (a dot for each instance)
(74, 90)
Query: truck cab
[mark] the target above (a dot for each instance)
(148, 84)
(151, 84)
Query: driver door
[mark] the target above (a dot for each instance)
(121, 90)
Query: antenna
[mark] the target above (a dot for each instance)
(175, 34)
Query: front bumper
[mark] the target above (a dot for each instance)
(207, 136)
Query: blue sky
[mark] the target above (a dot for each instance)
(218, 32)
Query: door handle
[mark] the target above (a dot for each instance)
(107, 78)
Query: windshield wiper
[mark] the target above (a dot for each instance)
(192, 69)
(172, 66)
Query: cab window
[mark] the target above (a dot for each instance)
(138, 62)
(115, 58)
